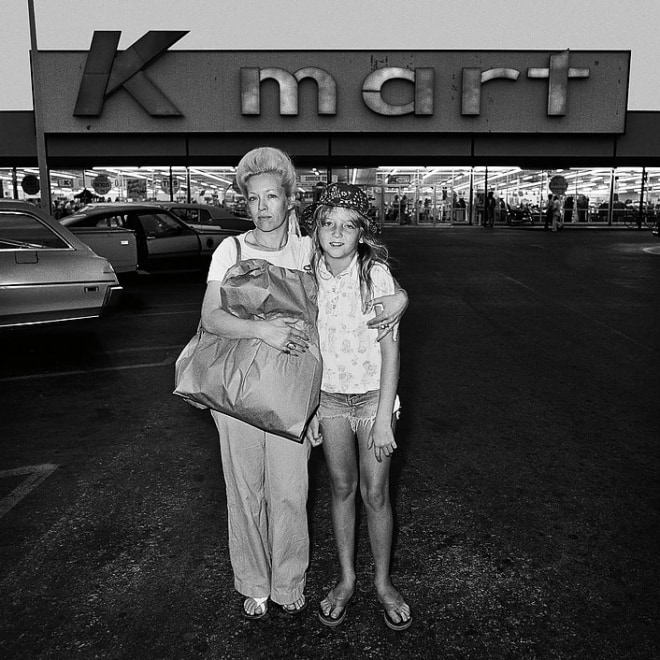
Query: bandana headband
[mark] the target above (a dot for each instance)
(341, 195)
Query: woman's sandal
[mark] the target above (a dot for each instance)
(292, 610)
(260, 610)
(328, 619)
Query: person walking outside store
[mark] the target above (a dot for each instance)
(555, 206)
(265, 474)
(491, 202)
(359, 400)
(547, 216)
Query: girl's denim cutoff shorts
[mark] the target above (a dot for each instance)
(357, 408)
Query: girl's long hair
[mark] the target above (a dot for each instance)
(370, 250)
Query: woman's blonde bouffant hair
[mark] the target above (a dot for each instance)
(266, 160)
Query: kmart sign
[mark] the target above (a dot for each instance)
(150, 88)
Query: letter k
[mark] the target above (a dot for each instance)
(106, 71)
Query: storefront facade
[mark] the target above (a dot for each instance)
(438, 127)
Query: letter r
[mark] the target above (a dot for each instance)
(473, 79)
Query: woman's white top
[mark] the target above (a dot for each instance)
(296, 254)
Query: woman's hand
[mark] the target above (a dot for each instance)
(391, 310)
(381, 438)
(313, 432)
(286, 334)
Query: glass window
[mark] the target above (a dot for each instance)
(398, 194)
(159, 224)
(106, 221)
(187, 215)
(652, 195)
(23, 231)
(86, 221)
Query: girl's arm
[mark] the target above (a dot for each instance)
(313, 432)
(279, 333)
(392, 309)
(382, 432)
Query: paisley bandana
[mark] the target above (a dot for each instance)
(343, 195)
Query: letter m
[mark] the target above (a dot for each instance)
(106, 71)
(252, 77)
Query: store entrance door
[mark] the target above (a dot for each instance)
(396, 204)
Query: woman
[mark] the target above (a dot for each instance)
(265, 474)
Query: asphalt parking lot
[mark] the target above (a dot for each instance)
(526, 485)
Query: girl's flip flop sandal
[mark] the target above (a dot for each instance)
(393, 625)
(331, 621)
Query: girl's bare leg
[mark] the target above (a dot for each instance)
(375, 491)
(341, 458)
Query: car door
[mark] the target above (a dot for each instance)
(167, 240)
(106, 233)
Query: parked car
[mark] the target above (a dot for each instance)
(206, 216)
(46, 273)
(143, 236)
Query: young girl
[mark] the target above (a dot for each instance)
(358, 393)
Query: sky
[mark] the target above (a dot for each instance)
(342, 25)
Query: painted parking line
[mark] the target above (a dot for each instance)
(144, 349)
(179, 313)
(81, 372)
(194, 305)
(35, 475)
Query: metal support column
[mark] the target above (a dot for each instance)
(470, 207)
(640, 213)
(486, 196)
(611, 202)
(37, 97)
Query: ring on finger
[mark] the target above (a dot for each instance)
(290, 345)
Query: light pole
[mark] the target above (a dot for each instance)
(44, 175)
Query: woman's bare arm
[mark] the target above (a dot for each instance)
(281, 333)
